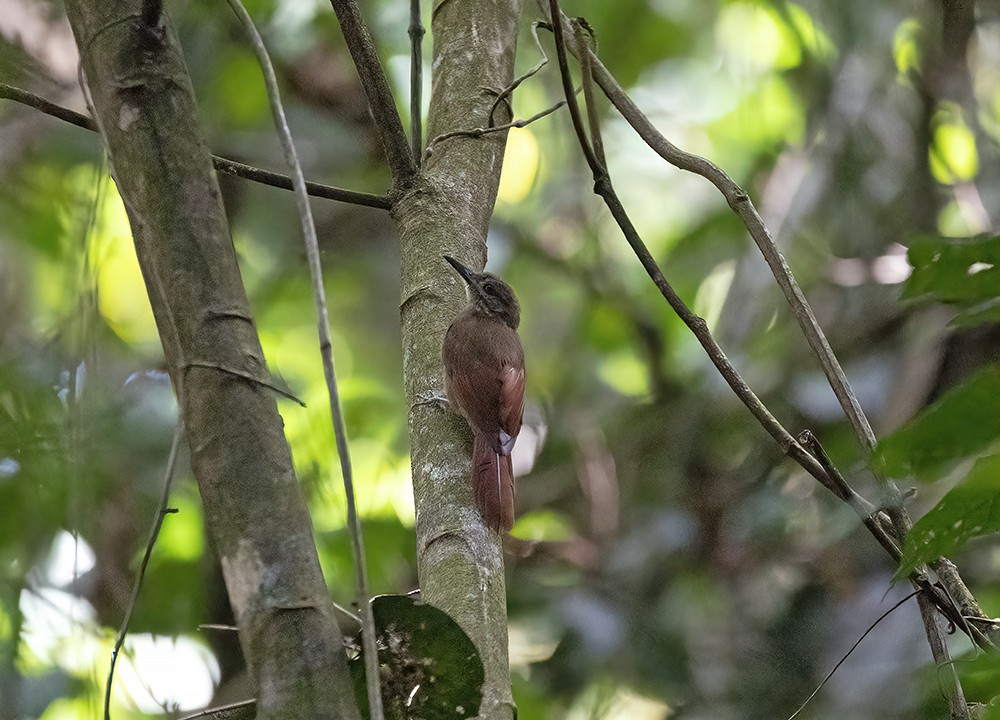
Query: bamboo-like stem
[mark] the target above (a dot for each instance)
(368, 633)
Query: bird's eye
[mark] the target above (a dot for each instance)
(490, 289)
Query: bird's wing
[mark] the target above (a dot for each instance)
(511, 405)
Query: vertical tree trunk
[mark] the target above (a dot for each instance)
(253, 506)
(460, 561)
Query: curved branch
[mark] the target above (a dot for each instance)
(741, 204)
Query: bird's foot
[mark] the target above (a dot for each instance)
(431, 397)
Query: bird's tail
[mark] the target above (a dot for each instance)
(493, 484)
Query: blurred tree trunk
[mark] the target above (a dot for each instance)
(253, 507)
(447, 210)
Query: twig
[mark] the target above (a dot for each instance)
(740, 202)
(326, 350)
(854, 647)
(873, 520)
(958, 707)
(224, 165)
(266, 177)
(388, 126)
(223, 711)
(416, 33)
(154, 532)
(241, 374)
(507, 91)
(480, 131)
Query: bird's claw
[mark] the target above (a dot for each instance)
(431, 397)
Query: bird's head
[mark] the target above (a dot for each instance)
(489, 295)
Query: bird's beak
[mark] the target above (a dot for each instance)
(465, 272)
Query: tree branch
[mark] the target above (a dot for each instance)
(388, 126)
(223, 165)
(368, 634)
(416, 32)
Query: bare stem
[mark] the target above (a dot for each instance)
(741, 204)
(326, 350)
(416, 33)
(478, 132)
(224, 165)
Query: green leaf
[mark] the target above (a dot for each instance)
(971, 509)
(429, 667)
(978, 314)
(962, 422)
(954, 270)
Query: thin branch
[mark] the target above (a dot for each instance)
(9, 92)
(223, 712)
(326, 350)
(388, 126)
(480, 131)
(249, 377)
(154, 532)
(741, 204)
(604, 188)
(958, 707)
(223, 165)
(416, 33)
(582, 51)
(266, 177)
(854, 647)
(508, 91)
(697, 325)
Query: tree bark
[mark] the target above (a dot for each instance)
(448, 210)
(253, 507)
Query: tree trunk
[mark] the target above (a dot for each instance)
(447, 210)
(253, 507)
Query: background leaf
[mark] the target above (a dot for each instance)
(430, 668)
(970, 510)
(964, 421)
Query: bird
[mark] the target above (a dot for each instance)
(484, 381)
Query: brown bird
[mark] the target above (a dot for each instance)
(484, 380)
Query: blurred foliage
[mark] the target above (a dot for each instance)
(668, 561)
(969, 510)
